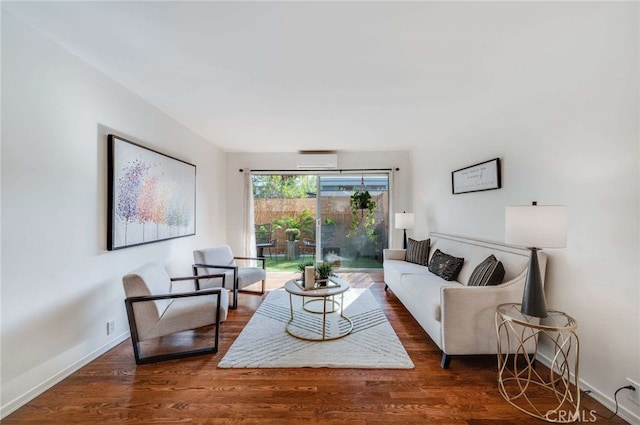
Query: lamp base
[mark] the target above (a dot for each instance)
(533, 301)
(404, 246)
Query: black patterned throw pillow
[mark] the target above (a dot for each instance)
(488, 272)
(418, 251)
(444, 265)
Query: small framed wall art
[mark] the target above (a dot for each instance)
(476, 178)
(152, 196)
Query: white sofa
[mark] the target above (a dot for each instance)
(460, 319)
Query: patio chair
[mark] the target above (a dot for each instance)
(220, 259)
(263, 232)
(308, 247)
(155, 311)
(268, 246)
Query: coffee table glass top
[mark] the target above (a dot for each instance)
(342, 286)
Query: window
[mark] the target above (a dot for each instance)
(312, 219)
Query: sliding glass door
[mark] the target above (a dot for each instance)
(341, 218)
(352, 235)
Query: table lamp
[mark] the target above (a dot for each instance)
(535, 226)
(404, 221)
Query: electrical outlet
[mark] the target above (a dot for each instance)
(634, 395)
(111, 326)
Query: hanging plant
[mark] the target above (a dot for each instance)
(362, 210)
(360, 200)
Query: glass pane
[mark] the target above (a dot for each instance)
(353, 236)
(306, 218)
(284, 217)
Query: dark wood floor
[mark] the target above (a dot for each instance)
(112, 389)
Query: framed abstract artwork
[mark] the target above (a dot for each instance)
(476, 178)
(152, 196)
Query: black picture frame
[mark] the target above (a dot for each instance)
(477, 178)
(151, 196)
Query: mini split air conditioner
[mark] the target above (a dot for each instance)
(317, 161)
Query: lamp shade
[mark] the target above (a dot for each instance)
(405, 220)
(536, 226)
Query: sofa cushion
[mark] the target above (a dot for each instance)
(488, 272)
(395, 269)
(422, 297)
(444, 265)
(418, 251)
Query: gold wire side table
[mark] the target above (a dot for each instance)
(319, 301)
(519, 334)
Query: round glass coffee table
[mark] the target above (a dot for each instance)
(320, 301)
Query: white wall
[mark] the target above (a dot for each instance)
(59, 284)
(401, 199)
(566, 128)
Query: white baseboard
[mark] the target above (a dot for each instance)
(15, 404)
(598, 395)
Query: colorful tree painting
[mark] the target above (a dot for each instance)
(148, 189)
(130, 186)
(160, 207)
(146, 201)
(178, 213)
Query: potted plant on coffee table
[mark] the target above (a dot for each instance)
(301, 267)
(323, 273)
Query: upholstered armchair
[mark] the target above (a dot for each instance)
(220, 259)
(155, 311)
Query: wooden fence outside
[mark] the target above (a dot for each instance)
(335, 210)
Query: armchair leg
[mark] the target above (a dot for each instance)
(245, 291)
(137, 351)
(234, 304)
(180, 355)
(260, 292)
(446, 361)
(196, 281)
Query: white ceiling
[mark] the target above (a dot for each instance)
(288, 76)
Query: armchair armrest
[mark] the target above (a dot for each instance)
(142, 298)
(394, 254)
(197, 278)
(215, 266)
(263, 259)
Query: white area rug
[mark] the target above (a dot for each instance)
(264, 342)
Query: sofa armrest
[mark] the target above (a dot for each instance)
(394, 254)
(467, 316)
